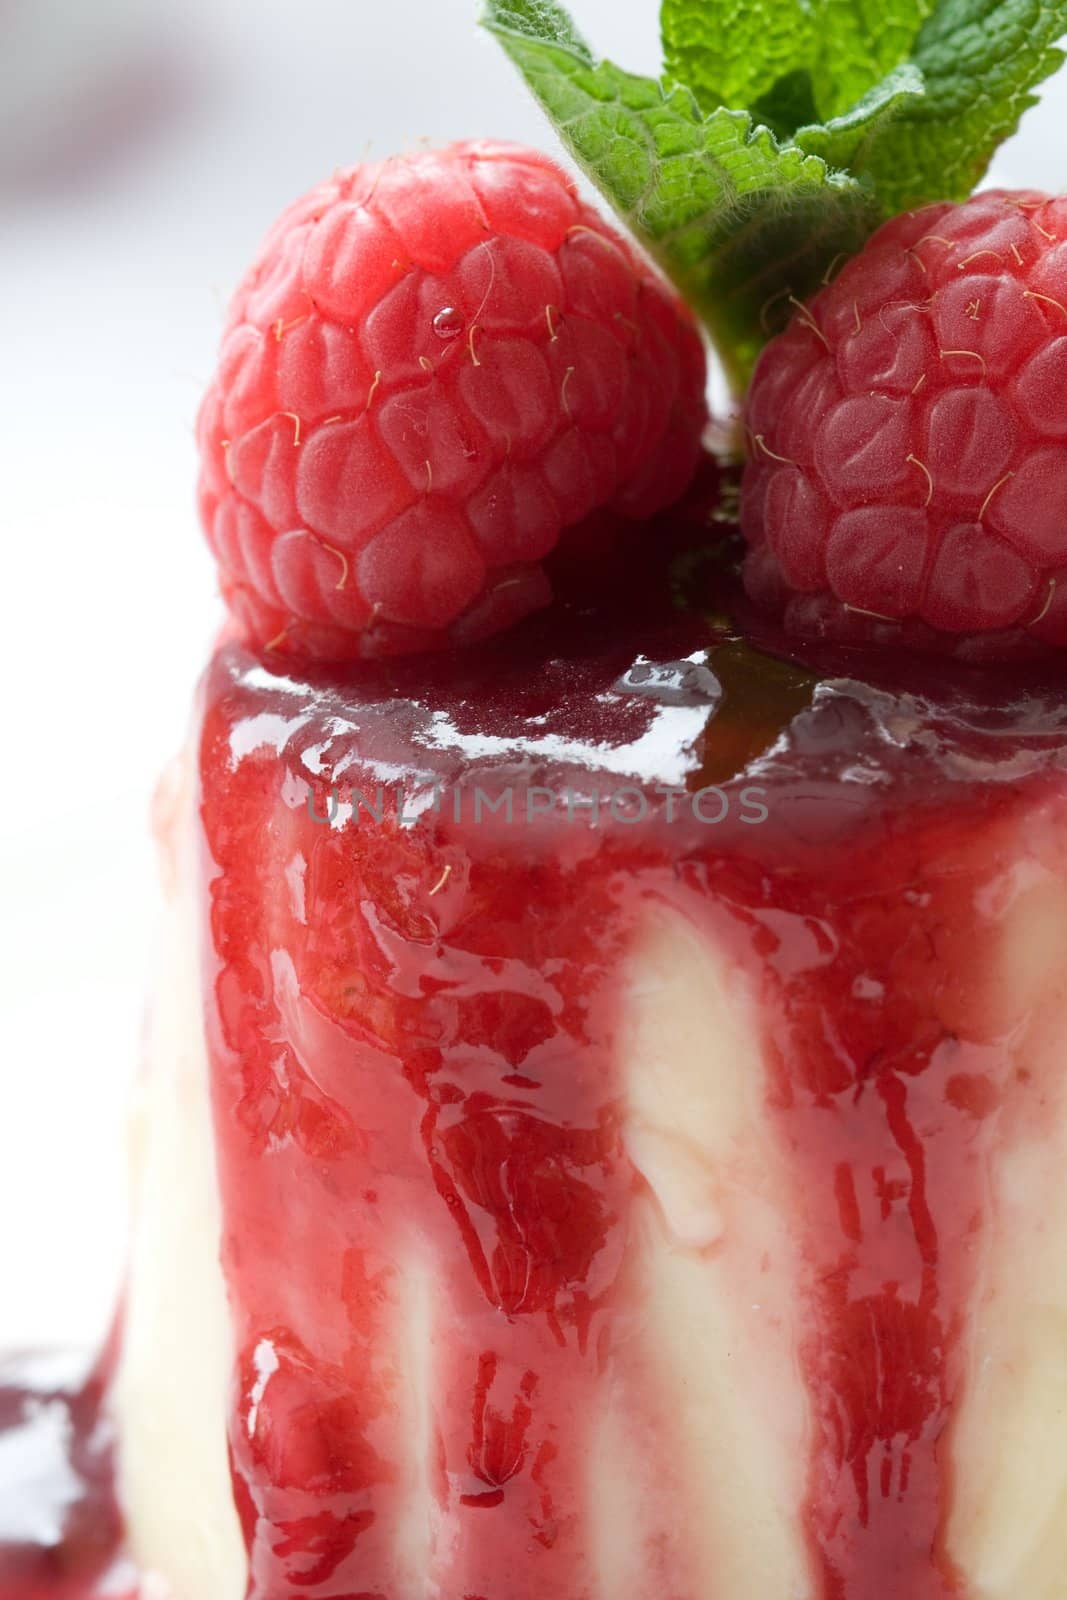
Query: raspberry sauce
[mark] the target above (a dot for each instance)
(59, 1521)
(443, 1238)
(417, 1017)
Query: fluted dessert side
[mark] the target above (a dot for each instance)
(631, 1208)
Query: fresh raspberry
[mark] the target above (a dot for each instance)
(436, 366)
(907, 474)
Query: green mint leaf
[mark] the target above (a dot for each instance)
(733, 52)
(980, 60)
(850, 141)
(755, 53)
(859, 42)
(539, 19)
(740, 221)
(856, 109)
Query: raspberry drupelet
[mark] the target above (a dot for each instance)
(436, 367)
(907, 476)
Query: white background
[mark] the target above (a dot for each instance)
(140, 161)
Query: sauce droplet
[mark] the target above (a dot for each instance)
(448, 323)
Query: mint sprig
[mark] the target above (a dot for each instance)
(734, 52)
(783, 131)
(980, 61)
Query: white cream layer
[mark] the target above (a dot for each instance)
(173, 1381)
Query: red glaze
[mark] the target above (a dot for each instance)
(414, 1034)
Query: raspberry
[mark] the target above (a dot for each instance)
(435, 368)
(907, 473)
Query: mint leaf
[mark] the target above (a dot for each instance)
(740, 221)
(540, 19)
(858, 42)
(858, 109)
(850, 141)
(733, 52)
(979, 59)
(749, 53)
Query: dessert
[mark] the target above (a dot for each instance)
(603, 1122)
(639, 1205)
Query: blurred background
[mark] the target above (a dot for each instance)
(144, 148)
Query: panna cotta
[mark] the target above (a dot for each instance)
(604, 1118)
(625, 1154)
